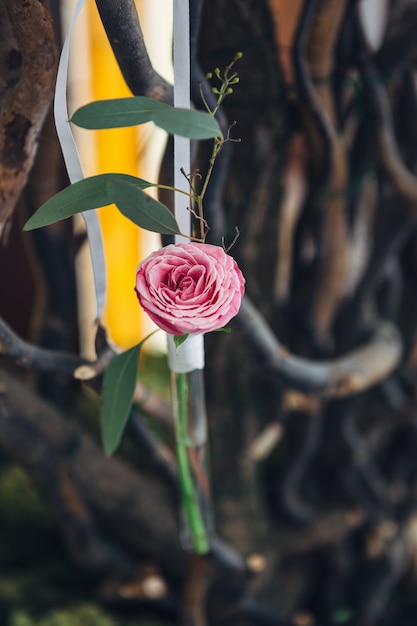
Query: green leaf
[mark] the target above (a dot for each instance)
(179, 339)
(118, 388)
(225, 329)
(86, 194)
(187, 123)
(121, 112)
(141, 209)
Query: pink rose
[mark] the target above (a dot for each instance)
(190, 288)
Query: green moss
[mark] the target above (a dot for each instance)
(21, 619)
(36, 576)
(25, 521)
(81, 615)
(78, 615)
(19, 501)
(34, 570)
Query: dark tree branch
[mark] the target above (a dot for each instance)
(359, 474)
(392, 567)
(25, 355)
(33, 434)
(389, 246)
(295, 504)
(121, 23)
(307, 98)
(160, 458)
(399, 50)
(381, 113)
(314, 52)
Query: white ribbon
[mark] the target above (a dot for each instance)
(74, 169)
(182, 158)
(189, 355)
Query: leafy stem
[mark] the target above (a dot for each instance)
(228, 79)
(192, 196)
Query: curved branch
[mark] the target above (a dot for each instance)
(317, 34)
(121, 23)
(25, 355)
(401, 177)
(381, 113)
(353, 373)
(297, 506)
(311, 111)
(399, 51)
(360, 475)
(392, 568)
(294, 196)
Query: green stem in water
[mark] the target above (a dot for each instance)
(190, 502)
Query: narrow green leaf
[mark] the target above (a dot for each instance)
(141, 209)
(121, 112)
(187, 123)
(118, 388)
(179, 339)
(116, 112)
(86, 194)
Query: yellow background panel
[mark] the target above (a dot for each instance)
(117, 151)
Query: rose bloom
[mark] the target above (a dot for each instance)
(190, 288)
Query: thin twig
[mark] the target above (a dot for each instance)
(213, 202)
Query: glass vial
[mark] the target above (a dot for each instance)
(189, 410)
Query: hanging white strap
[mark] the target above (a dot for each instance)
(190, 355)
(74, 169)
(182, 99)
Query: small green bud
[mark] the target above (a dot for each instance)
(217, 72)
(238, 56)
(234, 81)
(228, 91)
(215, 90)
(209, 75)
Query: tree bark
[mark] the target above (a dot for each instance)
(29, 57)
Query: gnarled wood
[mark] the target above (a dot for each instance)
(29, 56)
